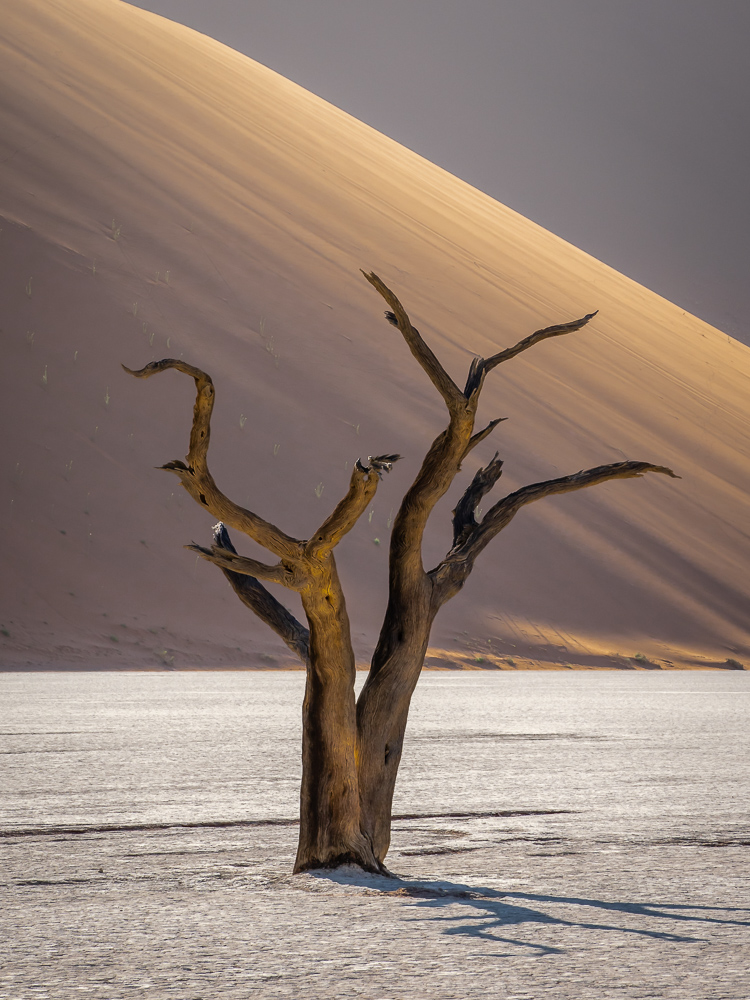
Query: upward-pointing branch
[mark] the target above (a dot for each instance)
(362, 486)
(196, 478)
(477, 438)
(440, 464)
(472, 538)
(427, 360)
(480, 366)
(464, 521)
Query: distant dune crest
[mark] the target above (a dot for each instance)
(164, 196)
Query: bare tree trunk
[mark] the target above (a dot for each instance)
(415, 596)
(330, 831)
(382, 714)
(351, 753)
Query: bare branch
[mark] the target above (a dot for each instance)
(453, 570)
(196, 478)
(439, 467)
(427, 360)
(261, 602)
(229, 559)
(550, 331)
(481, 435)
(204, 404)
(362, 486)
(464, 520)
(480, 366)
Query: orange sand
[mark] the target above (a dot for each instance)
(162, 195)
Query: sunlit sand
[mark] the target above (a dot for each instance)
(164, 195)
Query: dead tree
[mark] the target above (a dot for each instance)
(351, 750)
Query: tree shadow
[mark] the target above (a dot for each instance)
(489, 914)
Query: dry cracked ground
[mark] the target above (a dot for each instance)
(510, 906)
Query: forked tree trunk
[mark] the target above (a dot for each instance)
(330, 826)
(351, 752)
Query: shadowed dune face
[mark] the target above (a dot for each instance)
(164, 196)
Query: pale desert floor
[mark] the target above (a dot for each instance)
(214, 913)
(558, 835)
(162, 195)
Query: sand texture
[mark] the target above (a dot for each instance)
(162, 195)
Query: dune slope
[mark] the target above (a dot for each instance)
(162, 195)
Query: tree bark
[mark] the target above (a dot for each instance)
(415, 596)
(383, 710)
(330, 827)
(351, 752)
(257, 598)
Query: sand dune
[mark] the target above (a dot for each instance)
(163, 195)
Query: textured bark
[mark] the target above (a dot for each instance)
(330, 824)
(383, 709)
(415, 596)
(330, 827)
(470, 537)
(196, 478)
(262, 603)
(464, 514)
(351, 753)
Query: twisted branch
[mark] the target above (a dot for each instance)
(196, 478)
(262, 603)
(464, 520)
(451, 573)
(229, 559)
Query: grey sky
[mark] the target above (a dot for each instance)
(621, 125)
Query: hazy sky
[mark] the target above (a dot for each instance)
(621, 125)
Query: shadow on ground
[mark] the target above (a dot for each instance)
(490, 915)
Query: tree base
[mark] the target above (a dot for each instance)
(373, 867)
